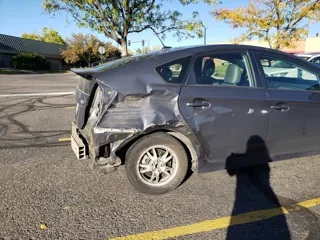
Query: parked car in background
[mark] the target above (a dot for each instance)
(276, 68)
(195, 107)
(314, 58)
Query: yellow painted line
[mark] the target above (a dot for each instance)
(220, 223)
(309, 203)
(70, 107)
(64, 139)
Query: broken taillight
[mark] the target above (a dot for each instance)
(103, 97)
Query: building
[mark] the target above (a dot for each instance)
(11, 46)
(309, 46)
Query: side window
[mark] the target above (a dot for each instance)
(224, 69)
(282, 74)
(174, 72)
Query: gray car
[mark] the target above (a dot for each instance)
(203, 108)
(314, 58)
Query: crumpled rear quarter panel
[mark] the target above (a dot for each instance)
(144, 103)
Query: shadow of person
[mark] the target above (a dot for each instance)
(254, 193)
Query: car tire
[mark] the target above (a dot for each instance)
(163, 176)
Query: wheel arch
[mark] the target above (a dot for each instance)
(192, 154)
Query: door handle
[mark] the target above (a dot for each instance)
(281, 107)
(199, 104)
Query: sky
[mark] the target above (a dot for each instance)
(28, 16)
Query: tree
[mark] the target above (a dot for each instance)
(32, 36)
(147, 49)
(48, 35)
(82, 49)
(279, 22)
(118, 18)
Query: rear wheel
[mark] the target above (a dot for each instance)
(156, 164)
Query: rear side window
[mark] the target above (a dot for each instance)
(174, 72)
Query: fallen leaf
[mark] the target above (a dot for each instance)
(43, 226)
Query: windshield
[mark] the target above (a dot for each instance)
(281, 64)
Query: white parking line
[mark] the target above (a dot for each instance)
(36, 94)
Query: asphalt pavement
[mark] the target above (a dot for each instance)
(46, 193)
(37, 83)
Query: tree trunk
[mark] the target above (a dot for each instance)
(277, 46)
(124, 48)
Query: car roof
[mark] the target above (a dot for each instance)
(315, 55)
(191, 50)
(308, 55)
(304, 55)
(200, 48)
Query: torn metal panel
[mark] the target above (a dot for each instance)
(98, 130)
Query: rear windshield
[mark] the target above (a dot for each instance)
(123, 61)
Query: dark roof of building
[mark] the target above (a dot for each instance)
(15, 45)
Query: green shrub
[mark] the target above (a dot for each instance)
(221, 70)
(30, 61)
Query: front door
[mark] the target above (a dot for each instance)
(224, 104)
(294, 105)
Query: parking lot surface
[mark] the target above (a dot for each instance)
(46, 193)
(37, 83)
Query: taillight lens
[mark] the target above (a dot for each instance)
(97, 103)
(102, 99)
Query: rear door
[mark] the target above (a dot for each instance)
(294, 103)
(224, 109)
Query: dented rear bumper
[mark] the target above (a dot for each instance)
(82, 150)
(77, 143)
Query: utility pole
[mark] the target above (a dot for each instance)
(204, 33)
(309, 23)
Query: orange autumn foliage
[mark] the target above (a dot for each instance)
(279, 22)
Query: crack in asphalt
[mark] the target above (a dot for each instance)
(3, 130)
(49, 145)
(10, 121)
(311, 217)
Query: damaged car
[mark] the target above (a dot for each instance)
(163, 113)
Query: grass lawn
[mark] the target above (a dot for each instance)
(49, 71)
(12, 71)
(221, 70)
(18, 71)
